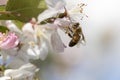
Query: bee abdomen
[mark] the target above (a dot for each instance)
(71, 43)
(74, 40)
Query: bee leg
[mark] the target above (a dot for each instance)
(69, 35)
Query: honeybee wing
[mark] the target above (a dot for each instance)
(57, 43)
(81, 41)
(54, 6)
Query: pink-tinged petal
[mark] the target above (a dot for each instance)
(62, 23)
(51, 27)
(57, 43)
(9, 41)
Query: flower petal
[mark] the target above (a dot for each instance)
(10, 41)
(57, 4)
(12, 27)
(5, 78)
(57, 43)
(26, 71)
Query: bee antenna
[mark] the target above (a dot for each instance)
(65, 13)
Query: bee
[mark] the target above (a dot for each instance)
(74, 31)
(77, 35)
(75, 40)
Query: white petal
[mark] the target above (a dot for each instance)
(45, 15)
(28, 28)
(38, 51)
(5, 78)
(28, 67)
(54, 7)
(57, 43)
(43, 51)
(62, 22)
(33, 53)
(19, 74)
(12, 26)
(70, 4)
(55, 4)
(26, 71)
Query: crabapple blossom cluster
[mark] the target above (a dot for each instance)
(18, 47)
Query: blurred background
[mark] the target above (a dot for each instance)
(99, 59)
(2, 2)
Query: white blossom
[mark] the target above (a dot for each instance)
(12, 27)
(37, 40)
(74, 9)
(5, 78)
(26, 71)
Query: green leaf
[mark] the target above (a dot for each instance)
(2, 7)
(3, 29)
(7, 17)
(23, 10)
(2, 68)
(18, 23)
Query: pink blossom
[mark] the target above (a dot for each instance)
(8, 41)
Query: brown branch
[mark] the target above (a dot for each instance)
(5, 12)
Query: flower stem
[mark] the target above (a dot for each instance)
(5, 12)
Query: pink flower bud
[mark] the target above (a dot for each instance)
(8, 41)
